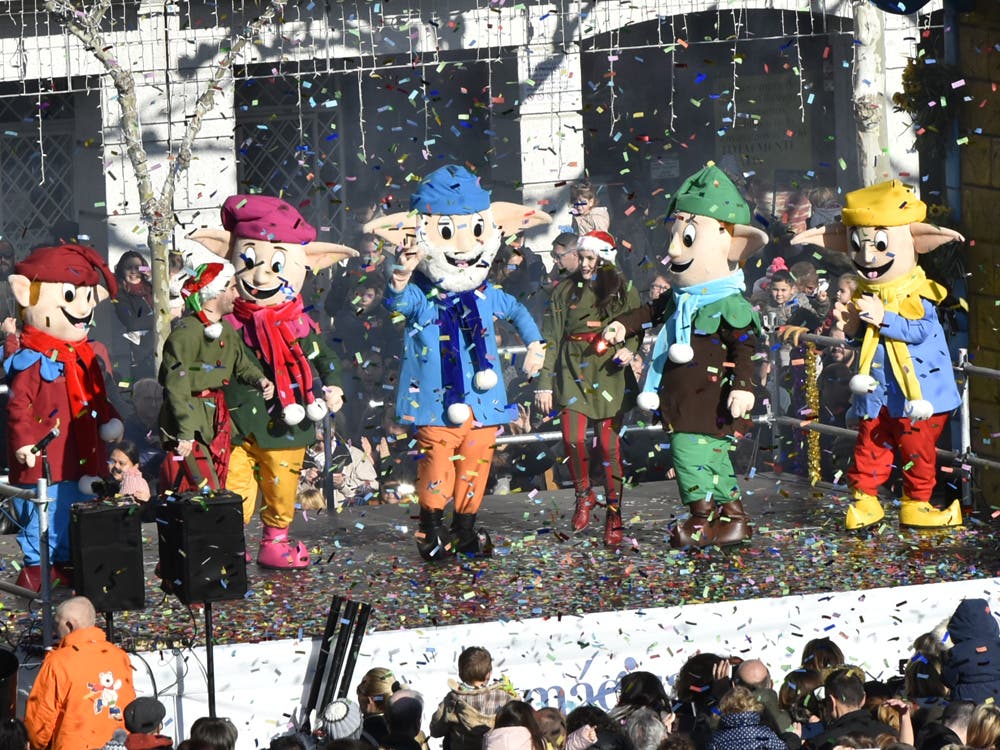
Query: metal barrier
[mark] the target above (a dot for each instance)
(40, 496)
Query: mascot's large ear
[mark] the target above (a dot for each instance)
(216, 240)
(319, 255)
(832, 237)
(21, 286)
(927, 237)
(513, 217)
(745, 242)
(398, 228)
(102, 293)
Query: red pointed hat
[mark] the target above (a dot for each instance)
(601, 243)
(69, 264)
(264, 217)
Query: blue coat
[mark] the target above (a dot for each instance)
(972, 666)
(420, 399)
(931, 361)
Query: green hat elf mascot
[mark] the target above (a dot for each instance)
(449, 385)
(700, 376)
(905, 387)
(272, 247)
(57, 393)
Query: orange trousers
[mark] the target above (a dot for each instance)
(454, 465)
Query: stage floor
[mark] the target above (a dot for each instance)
(542, 569)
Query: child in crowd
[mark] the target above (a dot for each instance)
(847, 284)
(587, 215)
(469, 711)
(807, 282)
(144, 720)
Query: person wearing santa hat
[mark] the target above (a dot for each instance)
(57, 395)
(202, 354)
(588, 381)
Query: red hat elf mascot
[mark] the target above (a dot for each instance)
(905, 387)
(701, 370)
(272, 248)
(56, 386)
(449, 386)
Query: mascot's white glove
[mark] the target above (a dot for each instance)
(534, 358)
(25, 456)
(614, 333)
(334, 397)
(740, 403)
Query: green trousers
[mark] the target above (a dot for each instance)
(704, 469)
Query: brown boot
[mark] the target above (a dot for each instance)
(584, 506)
(696, 531)
(730, 524)
(613, 534)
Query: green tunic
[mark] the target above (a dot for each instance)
(194, 364)
(250, 414)
(581, 378)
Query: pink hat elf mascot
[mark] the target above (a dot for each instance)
(56, 383)
(272, 248)
(905, 387)
(450, 388)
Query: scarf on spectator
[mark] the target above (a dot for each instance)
(84, 379)
(275, 331)
(903, 297)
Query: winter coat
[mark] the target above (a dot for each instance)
(744, 731)
(467, 713)
(860, 722)
(972, 667)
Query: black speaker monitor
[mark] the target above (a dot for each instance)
(106, 547)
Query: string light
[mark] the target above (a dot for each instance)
(811, 388)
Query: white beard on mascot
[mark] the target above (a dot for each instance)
(449, 386)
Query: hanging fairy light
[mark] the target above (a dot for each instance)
(811, 388)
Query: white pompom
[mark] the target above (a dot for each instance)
(86, 484)
(213, 331)
(112, 430)
(484, 380)
(648, 400)
(459, 413)
(293, 414)
(680, 353)
(317, 410)
(918, 410)
(863, 384)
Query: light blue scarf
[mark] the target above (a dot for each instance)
(677, 330)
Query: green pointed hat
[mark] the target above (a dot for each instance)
(709, 192)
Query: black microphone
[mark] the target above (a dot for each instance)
(44, 442)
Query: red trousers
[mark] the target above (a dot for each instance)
(454, 465)
(574, 432)
(916, 445)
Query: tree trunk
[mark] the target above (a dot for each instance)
(869, 82)
(159, 239)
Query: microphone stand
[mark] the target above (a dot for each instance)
(45, 590)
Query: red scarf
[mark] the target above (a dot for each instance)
(274, 331)
(84, 380)
(143, 289)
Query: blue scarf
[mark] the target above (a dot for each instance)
(677, 330)
(461, 328)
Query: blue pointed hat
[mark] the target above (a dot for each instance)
(450, 190)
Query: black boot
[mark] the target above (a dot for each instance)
(470, 540)
(433, 543)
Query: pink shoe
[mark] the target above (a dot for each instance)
(279, 552)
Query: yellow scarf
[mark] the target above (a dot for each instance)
(901, 296)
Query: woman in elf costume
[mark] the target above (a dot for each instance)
(700, 375)
(905, 387)
(591, 381)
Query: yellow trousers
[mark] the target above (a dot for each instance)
(272, 473)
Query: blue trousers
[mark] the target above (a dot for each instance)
(62, 495)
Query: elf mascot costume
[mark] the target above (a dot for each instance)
(272, 248)
(905, 387)
(449, 386)
(57, 394)
(701, 371)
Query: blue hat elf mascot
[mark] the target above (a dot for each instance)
(450, 387)
(905, 387)
(701, 371)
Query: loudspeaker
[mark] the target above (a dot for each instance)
(106, 545)
(202, 551)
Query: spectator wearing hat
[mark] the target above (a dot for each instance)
(340, 720)
(971, 667)
(144, 720)
(202, 354)
(589, 382)
(404, 713)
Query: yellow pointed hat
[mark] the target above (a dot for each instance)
(888, 204)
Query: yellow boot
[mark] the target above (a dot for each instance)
(863, 511)
(922, 514)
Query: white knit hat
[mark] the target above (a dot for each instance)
(601, 243)
(341, 720)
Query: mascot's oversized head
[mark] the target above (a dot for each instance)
(271, 246)
(452, 220)
(58, 289)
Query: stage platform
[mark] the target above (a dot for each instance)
(542, 569)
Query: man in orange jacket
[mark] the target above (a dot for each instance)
(82, 687)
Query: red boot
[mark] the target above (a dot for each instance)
(279, 552)
(30, 578)
(584, 507)
(613, 534)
